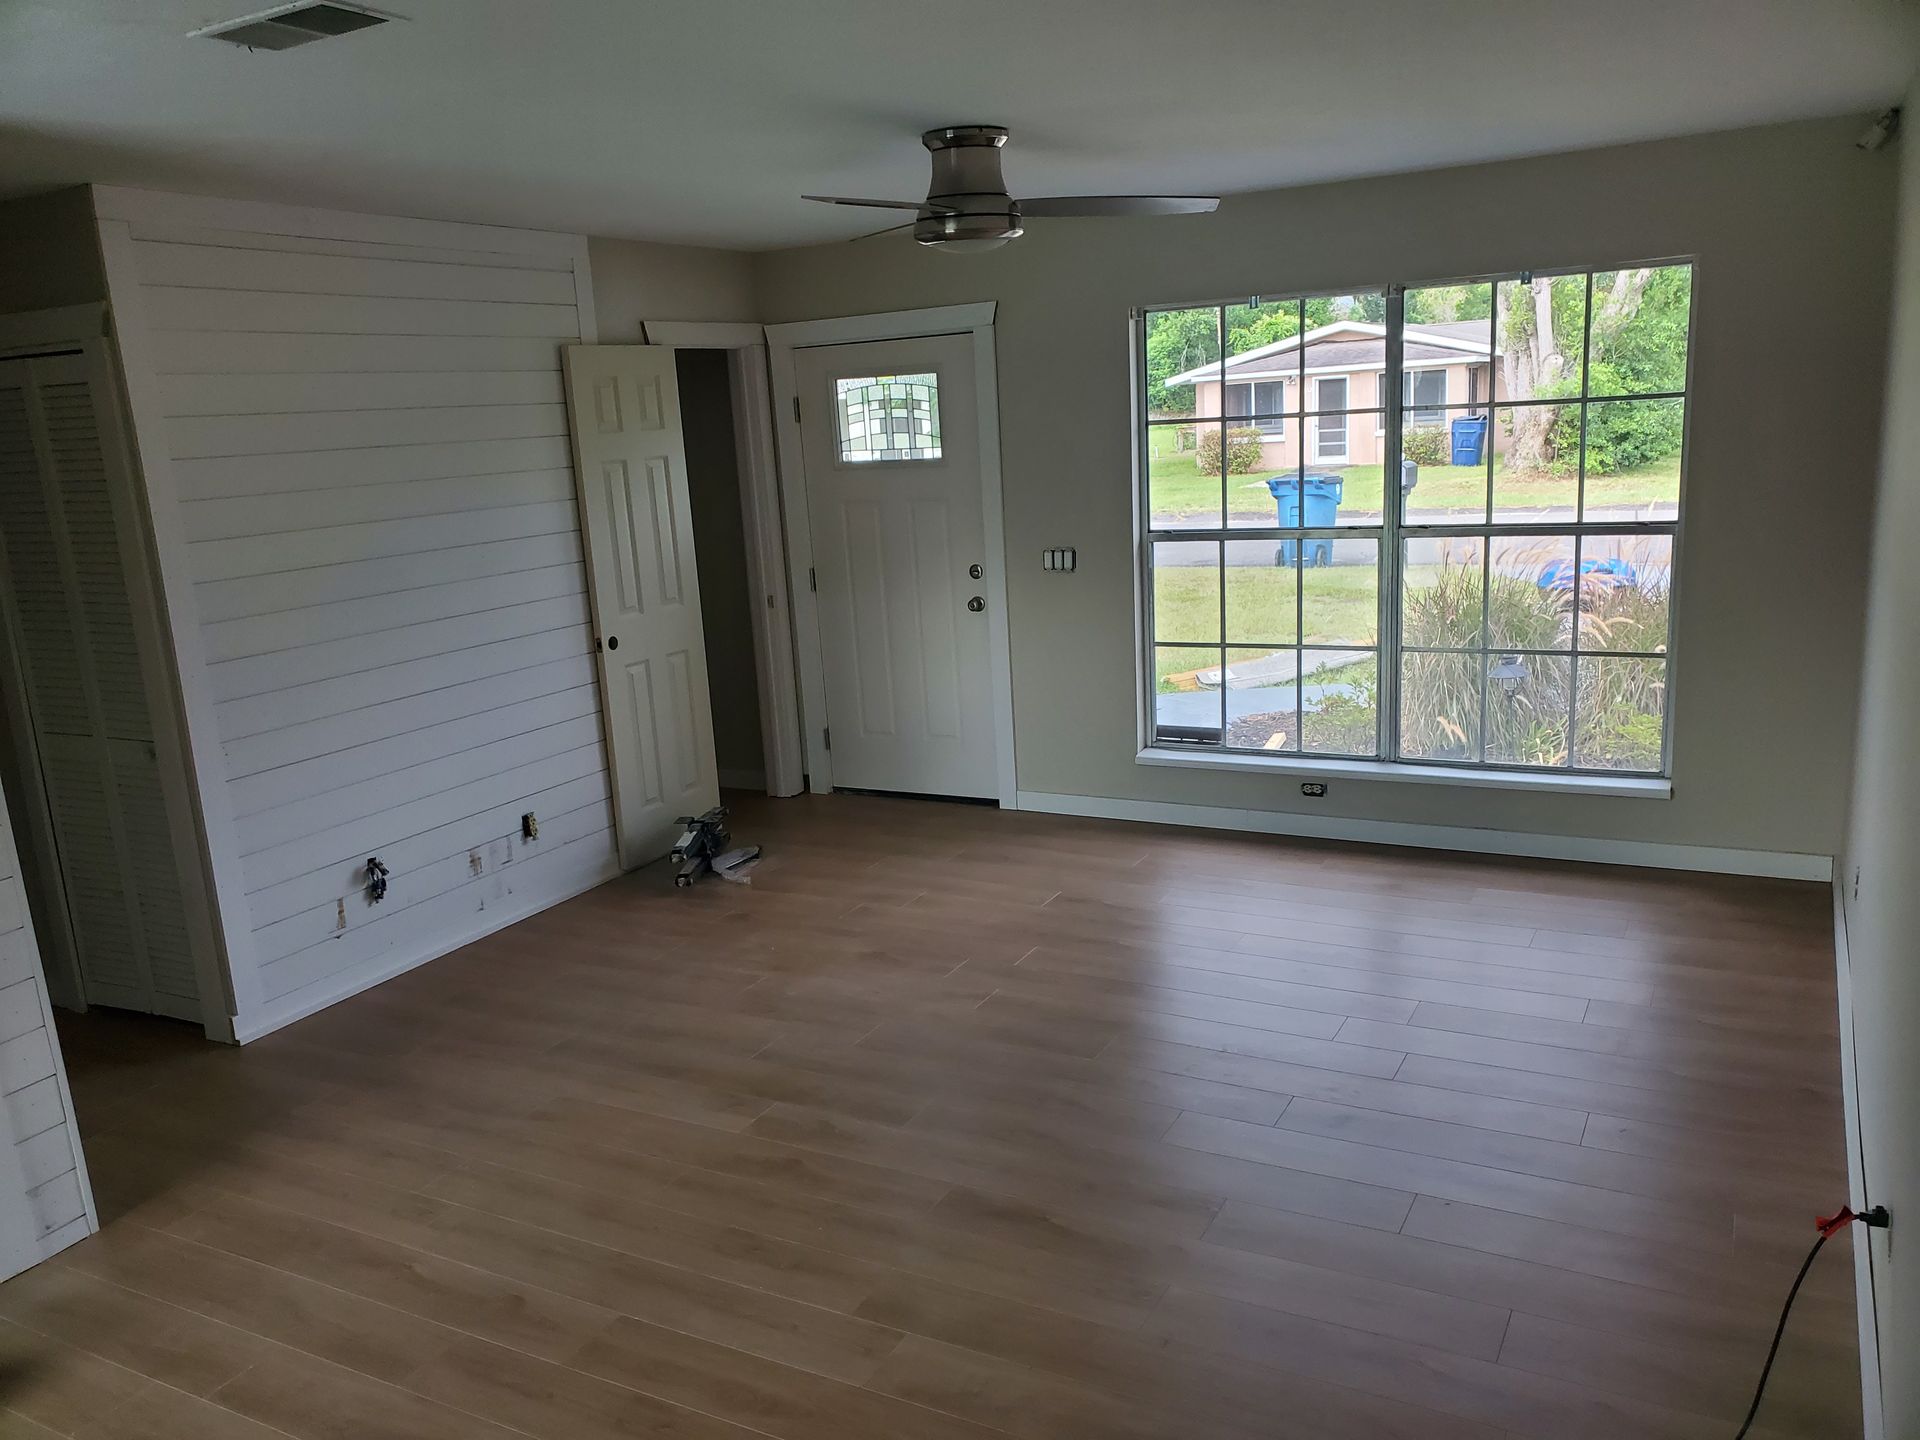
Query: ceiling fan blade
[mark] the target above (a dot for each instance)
(907, 225)
(870, 204)
(1067, 205)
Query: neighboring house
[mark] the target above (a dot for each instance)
(1449, 371)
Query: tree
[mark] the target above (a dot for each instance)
(1542, 324)
(1178, 340)
(1443, 304)
(1251, 326)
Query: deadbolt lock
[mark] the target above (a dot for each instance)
(975, 572)
(976, 603)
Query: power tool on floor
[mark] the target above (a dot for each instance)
(703, 847)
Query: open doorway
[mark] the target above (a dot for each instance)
(720, 550)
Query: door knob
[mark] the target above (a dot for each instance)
(976, 603)
(613, 642)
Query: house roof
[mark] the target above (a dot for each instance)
(1351, 345)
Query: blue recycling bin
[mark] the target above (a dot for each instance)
(1322, 511)
(1469, 439)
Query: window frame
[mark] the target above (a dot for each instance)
(1436, 412)
(1271, 423)
(1160, 747)
(1410, 404)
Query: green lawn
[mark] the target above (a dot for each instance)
(1178, 488)
(1341, 607)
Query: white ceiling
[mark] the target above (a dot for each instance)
(704, 120)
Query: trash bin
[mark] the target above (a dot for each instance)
(1322, 494)
(1469, 439)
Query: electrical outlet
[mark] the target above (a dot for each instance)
(476, 864)
(340, 919)
(529, 826)
(1313, 789)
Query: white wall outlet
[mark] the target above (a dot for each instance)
(476, 863)
(340, 919)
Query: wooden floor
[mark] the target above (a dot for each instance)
(963, 1124)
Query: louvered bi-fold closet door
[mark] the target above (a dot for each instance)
(63, 537)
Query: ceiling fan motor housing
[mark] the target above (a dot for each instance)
(968, 206)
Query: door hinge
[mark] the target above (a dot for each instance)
(813, 580)
(826, 737)
(796, 409)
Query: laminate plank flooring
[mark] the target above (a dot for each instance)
(960, 1125)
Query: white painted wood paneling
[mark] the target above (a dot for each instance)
(366, 454)
(317, 509)
(45, 1201)
(285, 629)
(366, 579)
(185, 395)
(307, 432)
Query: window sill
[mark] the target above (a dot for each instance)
(1641, 787)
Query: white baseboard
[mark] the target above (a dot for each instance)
(731, 779)
(302, 1003)
(1776, 864)
(1874, 1420)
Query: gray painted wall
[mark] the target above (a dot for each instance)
(1883, 911)
(635, 281)
(1792, 230)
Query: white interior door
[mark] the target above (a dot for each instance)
(890, 437)
(632, 467)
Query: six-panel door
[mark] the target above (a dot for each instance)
(631, 462)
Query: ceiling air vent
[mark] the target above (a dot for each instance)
(286, 26)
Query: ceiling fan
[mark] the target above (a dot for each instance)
(968, 207)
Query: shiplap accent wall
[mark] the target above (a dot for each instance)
(374, 526)
(45, 1202)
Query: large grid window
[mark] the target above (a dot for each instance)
(1478, 575)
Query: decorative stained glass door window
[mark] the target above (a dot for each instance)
(888, 417)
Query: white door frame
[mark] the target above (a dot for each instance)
(975, 320)
(773, 651)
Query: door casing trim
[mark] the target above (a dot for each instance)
(782, 758)
(975, 320)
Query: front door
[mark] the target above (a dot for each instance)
(631, 464)
(1330, 429)
(890, 437)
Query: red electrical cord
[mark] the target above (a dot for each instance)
(1829, 1226)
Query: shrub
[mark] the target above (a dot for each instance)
(1445, 613)
(1345, 722)
(1625, 617)
(1427, 447)
(1619, 436)
(1621, 700)
(1244, 452)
